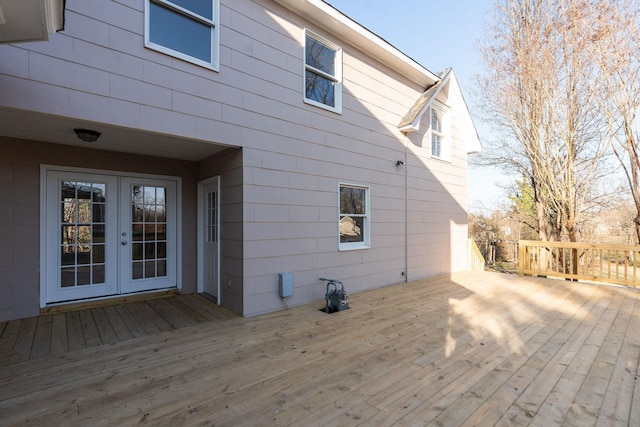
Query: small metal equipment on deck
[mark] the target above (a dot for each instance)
(336, 297)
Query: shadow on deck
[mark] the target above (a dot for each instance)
(56, 334)
(470, 349)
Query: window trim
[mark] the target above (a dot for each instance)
(445, 134)
(366, 243)
(213, 23)
(337, 78)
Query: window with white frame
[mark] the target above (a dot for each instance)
(354, 217)
(323, 73)
(440, 141)
(185, 29)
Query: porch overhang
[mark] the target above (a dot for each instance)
(37, 126)
(30, 20)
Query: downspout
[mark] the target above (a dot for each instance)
(405, 273)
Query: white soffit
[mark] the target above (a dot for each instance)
(30, 20)
(340, 25)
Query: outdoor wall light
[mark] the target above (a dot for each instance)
(87, 135)
(399, 163)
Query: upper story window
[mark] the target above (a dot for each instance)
(354, 217)
(440, 140)
(323, 73)
(186, 29)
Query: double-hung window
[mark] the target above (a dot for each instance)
(440, 141)
(322, 73)
(354, 217)
(185, 29)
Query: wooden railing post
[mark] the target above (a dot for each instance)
(580, 261)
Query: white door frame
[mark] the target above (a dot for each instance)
(201, 224)
(44, 216)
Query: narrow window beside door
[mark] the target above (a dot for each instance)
(211, 218)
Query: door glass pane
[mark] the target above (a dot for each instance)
(67, 277)
(82, 231)
(84, 213)
(97, 254)
(148, 231)
(161, 268)
(137, 232)
(136, 270)
(97, 272)
(136, 252)
(98, 212)
(211, 218)
(98, 233)
(98, 192)
(83, 276)
(161, 231)
(161, 212)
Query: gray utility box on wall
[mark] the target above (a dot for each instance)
(286, 284)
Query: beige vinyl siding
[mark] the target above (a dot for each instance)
(279, 188)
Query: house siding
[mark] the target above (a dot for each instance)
(20, 212)
(279, 185)
(228, 165)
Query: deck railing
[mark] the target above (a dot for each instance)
(476, 260)
(609, 263)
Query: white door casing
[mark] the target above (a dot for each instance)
(106, 234)
(209, 237)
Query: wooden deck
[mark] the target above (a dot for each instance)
(473, 349)
(56, 334)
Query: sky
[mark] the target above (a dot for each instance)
(438, 34)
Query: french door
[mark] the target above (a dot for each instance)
(108, 235)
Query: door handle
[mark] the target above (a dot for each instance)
(124, 243)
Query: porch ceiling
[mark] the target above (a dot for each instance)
(59, 130)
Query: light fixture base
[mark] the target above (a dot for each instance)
(87, 135)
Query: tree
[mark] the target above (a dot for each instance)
(523, 210)
(615, 44)
(539, 90)
(486, 232)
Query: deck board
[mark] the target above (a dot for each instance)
(135, 320)
(42, 338)
(105, 329)
(24, 341)
(471, 349)
(75, 337)
(8, 340)
(151, 320)
(59, 338)
(118, 324)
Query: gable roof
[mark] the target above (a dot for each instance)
(411, 121)
(340, 25)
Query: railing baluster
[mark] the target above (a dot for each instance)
(582, 261)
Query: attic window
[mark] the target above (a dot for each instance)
(185, 29)
(439, 128)
(323, 73)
